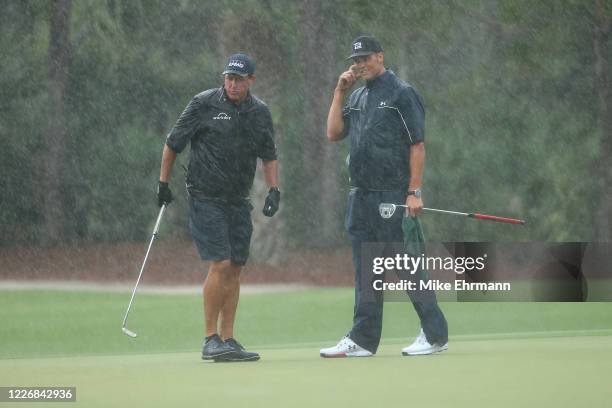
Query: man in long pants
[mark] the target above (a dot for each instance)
(384, 121)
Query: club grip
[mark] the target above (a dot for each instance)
(496, 218)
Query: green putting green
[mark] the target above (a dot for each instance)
(500, 354)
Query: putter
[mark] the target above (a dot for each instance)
(388, 209)
(124, 329)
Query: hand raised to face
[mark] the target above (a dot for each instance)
(348, 78)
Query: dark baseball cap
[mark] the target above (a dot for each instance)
(239, 64)
(364, 45)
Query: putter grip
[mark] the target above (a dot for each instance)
(496, 218)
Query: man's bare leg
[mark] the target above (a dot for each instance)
(230, 304)
(221, 291)
(214, 293)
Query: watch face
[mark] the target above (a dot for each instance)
(417, 193)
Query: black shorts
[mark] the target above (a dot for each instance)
(221, 229)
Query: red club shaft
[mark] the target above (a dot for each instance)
(477, 216)
(495, 218)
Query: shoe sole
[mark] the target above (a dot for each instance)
(223, 359)
(343, 355)
(424, 353)
(333, 355)
(212, 357)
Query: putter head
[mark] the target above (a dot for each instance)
(386, 210)
(128, 332)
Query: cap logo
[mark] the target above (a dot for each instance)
(357, 46)
(235, 63)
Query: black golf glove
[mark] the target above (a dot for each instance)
(164, 195)
(272, 202)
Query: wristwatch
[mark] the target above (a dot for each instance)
(416, 193)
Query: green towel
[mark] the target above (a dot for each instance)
(414, 241)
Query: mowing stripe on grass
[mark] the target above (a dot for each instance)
(559, 372)
(85, 323)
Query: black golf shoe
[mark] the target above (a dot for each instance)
(215, 348)
(238, 353)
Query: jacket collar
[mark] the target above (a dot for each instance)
(380, 80)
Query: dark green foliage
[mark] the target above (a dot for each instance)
(515, 122)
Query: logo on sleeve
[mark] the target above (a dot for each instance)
(222, 116)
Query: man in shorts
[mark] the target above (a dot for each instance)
(228, 128)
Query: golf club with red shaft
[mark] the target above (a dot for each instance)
(387, 210)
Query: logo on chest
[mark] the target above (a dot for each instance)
(222, 116)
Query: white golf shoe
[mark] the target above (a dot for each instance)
(345, 348)
(421, 347)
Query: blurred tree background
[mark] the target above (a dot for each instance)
(518, 99)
